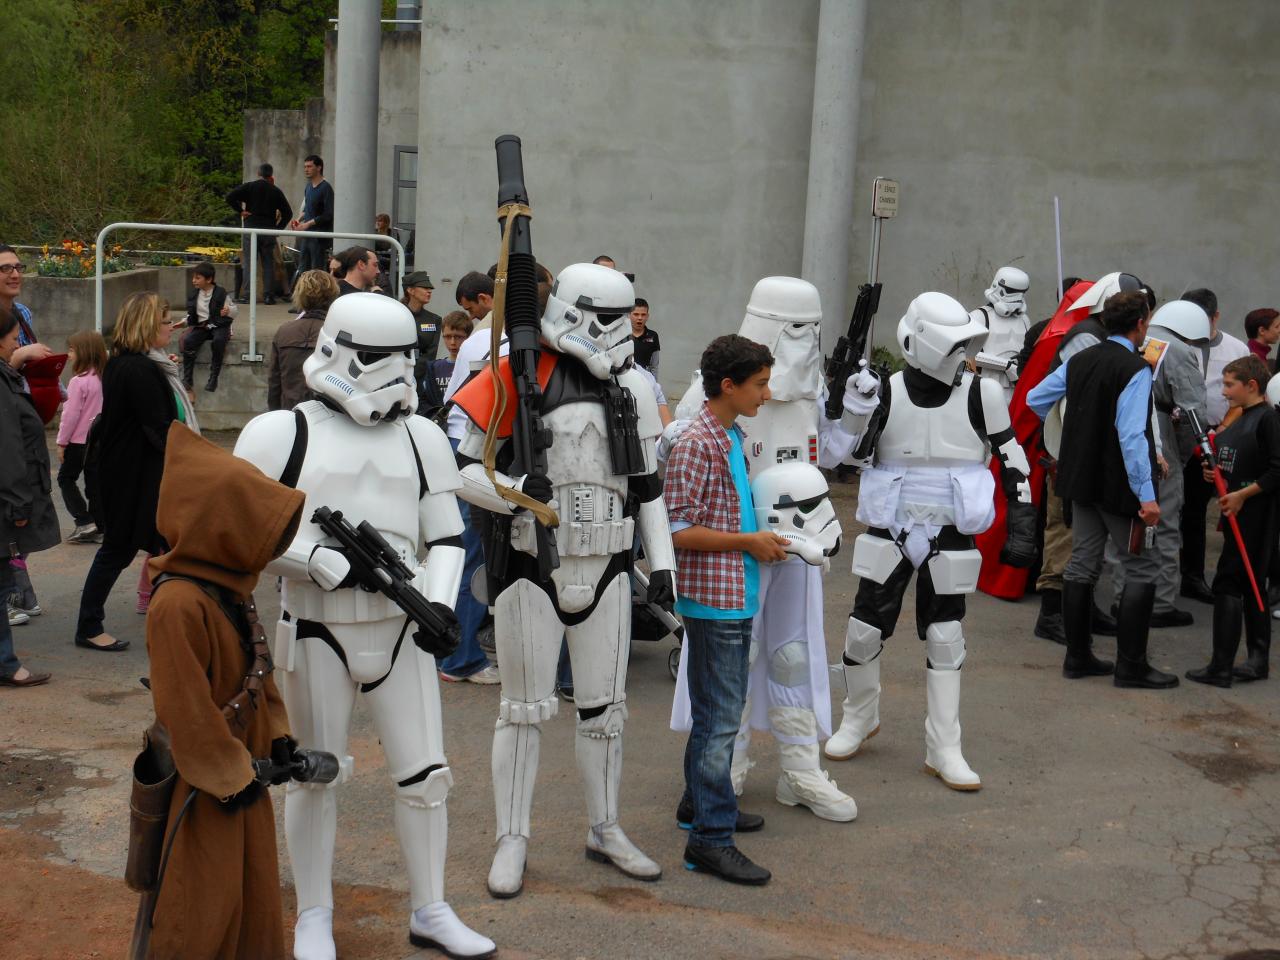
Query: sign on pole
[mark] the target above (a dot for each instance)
(884, 199)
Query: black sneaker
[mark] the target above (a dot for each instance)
(747, 822)
(727, 863)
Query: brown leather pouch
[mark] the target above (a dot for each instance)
(154, 775)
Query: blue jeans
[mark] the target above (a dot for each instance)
(717, 668)
(9, 664)
(468, 658)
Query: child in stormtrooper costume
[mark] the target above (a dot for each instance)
(358, 448)
(788, 691)
(1005, 317)
(926, 493)
(604, 422)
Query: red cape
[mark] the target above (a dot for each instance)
(42, 379)
(996, 578)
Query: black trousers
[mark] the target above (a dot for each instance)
(1197, 492)
(108, 563)
(880, 604)
(196, 338)
(266, 257)
(68, 473)
(1258, 530)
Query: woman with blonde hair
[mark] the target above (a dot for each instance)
(295, 340)
(142, 394)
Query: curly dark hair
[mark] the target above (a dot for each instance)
(732, 357)
(1124, 311)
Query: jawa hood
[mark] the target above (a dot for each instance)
(223, 519)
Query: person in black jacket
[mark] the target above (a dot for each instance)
(260, 203)
(209, 315)
(141, 396)
(1249, 458)
(28, 521)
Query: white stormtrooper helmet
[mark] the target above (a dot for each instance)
(1184, 318)
(363, 361)
(793, 500)
(785, 314)
(1095, 298)
(588, 317)
(935, 335)
(1008, 291)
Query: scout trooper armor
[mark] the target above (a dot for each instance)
(789, 689)
(1005, 317)
(602, 473)
(928, 491)
(359, 449)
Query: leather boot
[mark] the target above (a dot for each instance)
(1077, 621)
(1228, 612)
(212, 383)
(1104, 624)
(1257, 640)
(1133, 624)
(1049, 623)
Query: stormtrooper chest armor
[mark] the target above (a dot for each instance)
(1006, 333)
(929, 436)
(783, 431)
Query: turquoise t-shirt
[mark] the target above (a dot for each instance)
(746, 524)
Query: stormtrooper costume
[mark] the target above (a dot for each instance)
(1005, 317)
(927, 492)
(788, 689)
(602, 473)
(359, 449)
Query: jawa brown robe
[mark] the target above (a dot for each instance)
(225, 520)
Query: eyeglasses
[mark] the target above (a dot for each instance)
(8, 268)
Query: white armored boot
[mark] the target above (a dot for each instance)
(943, 758)
(860, 720)
(422, 824)
(599, 755)
(310, 826)
(515, 767)
(802, 781)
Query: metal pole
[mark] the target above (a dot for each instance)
(253, 355)
(97, 279)
(1057, 236)
(833, 148)
(355, 166)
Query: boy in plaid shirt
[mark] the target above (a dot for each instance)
(713, 528)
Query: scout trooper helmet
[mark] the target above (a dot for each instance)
(936, 334)
(363, 361)
(793, 500)
(1184, 318)
(785, 314)
(588, 317)
(1008, 291)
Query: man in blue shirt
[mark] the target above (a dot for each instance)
(1106, 469)
(317, 214)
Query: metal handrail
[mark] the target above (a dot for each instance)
(253, 356)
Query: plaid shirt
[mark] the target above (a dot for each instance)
(699, 491)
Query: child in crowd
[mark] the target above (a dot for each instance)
(455, 328)
(1249, 458)
(86, 355)
(718, 549)
(1263, 328)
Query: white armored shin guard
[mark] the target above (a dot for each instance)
(860, 720)
(310, 827)
(599, 755)
(422, 824)
(803, 782)
(943, 756)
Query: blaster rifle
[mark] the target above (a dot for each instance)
(516, 308)
(851, 348)
(377, 567)
(1209, 457)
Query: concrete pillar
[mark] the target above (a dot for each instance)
(355, 135)
(833, 148)
(408, 10)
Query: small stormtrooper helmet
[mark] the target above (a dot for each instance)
(1008, 291)
(785, 314)
(793, 500)
(363, 361)
(936, 334)
(1184, 318)
(588, 317)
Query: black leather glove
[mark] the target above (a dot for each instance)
(539, 488)
(1020, 547)
(282, 751)
(662, 589)
(444, 645)
(245, 798)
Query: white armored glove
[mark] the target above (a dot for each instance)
(329, 568)
(669, 436)
(861, 392)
